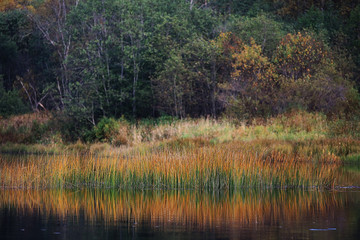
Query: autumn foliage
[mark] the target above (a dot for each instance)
(250, 65)
(298, 55)
(301, 74)
(252, 80)
(6, 5)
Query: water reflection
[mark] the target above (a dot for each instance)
(164, 207)
(256, 214)
(348, 175)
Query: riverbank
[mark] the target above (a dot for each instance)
(44, 133)
(298, 150)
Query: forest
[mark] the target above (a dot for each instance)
(90, 61)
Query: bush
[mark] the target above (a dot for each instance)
(37, 131)
(11, 103)
(72, 129)
(26, 128)
(345, 127)
(111, 131)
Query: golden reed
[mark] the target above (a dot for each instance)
(229, 166)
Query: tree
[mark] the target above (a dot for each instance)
(309, 77)
(50, 18)
(298, 55)
(6, 5)
(172, 87)
(353, 31)
(91, 77)
(264, 30)
(201, 60)
(250, 92)
(294, 8)
(10, 102)
(243, 7)
(24, 60)
(8, 53)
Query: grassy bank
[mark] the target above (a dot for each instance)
(43, 129)
(310, 133)
(295, 150)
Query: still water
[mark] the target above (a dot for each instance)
(119, 214)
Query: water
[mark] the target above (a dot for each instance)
(118, 214)
(185, 214)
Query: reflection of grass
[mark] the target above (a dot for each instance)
(180, 164)
(348, 175)
(352, 168)
(164, 208)
(352, 158)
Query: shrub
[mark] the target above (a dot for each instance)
(111, 131)
(10, 103)
(26, 128)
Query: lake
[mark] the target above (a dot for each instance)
(170, 214)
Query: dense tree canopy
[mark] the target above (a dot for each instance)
(90, 59)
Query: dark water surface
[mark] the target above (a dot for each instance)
(118, 214)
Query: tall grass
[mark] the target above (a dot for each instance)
(230, 166)
(292, 150)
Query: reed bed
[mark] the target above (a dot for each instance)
(231, 166)
(164, 208)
